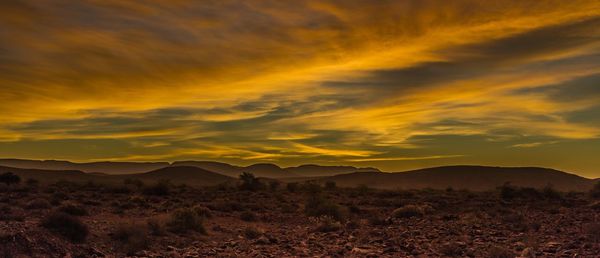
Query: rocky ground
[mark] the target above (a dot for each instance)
(296, 221)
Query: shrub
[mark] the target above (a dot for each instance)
(32, 182)
(67, 226)
(248, 216)
(595, 192)
(252, 233)
(73, 209)
(156, 227)
(250, 182)
(317, 206)
(327, 224)
(159, 188)
(9, 178)
(593, 232)
(507, 191)
(330, 185)
(131, 238)
(292, 187)
(274, 185)
(37, 204)
(550, 193)
(452, 249)
(408, 211)
(183, 220)
(133, 181)
(311, 187)
(203, 212)
(500, 252)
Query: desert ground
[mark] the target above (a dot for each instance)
(267, 218)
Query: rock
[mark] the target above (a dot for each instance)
(262, 241)
(527, 253)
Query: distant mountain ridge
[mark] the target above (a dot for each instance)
(177, 175)
(274, 171)
(119, 168)
(467, 177)
(106, 167)
(476, 178)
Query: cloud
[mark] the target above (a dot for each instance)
(295, 82)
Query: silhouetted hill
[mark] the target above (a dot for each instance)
(466, 177)
(105, 167)
(49, 175)
(272, 170)
(183, 175)
(311, 170)
(177, 175)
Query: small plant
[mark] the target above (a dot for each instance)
(184, 220)
(317, 206)
(292, 187)
(507, 191)
(274, 185)
(133, 181)
(67, 226)
(252, 233)
(156, 227)
(9, 178)
(32, 182)
(500, 252)
(38, 204)
(73, 209)
(595, 192)
(330, 185)
(131, 238)
(328, 224)
(452, 249)
(203, 212)
(248, 216)
(408, 211)
(250, 182)
(593, 232)
(159, 188)
(550, 193)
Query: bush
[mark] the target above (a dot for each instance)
(408, 211)
(595, 192)
(274, 185)
(327, 224)
(292, 187)
(550, 193)
(500, 252)
(159, 188)
(156, 227)
(507, 192)
(9, 178)
(203, 212)
(593, 232)
(37, 204)
(317, 206)
(248, 216)
(183, 220)
(131, 238)
(73, 209)
(252, 233)
(250, 182)
(67, 226)
(32, 182)
(330, 185)
(133, 181)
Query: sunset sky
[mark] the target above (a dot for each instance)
(391, 84)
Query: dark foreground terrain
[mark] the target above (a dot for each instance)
(254, 218)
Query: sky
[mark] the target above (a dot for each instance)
(391, 84)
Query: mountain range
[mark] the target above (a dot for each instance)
(204, 173)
